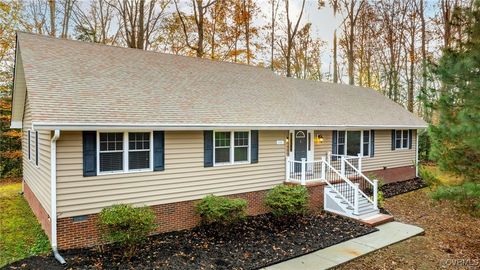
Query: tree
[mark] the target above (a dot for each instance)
(199, 11)
(455, 139)
(291, 33)
(95, 24)
(10, 140)
(139, 20)
(352, 9)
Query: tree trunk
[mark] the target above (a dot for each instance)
(51, 4)
(335, 64)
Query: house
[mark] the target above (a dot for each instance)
(104, 125)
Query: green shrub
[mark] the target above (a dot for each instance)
(287, 200)
(127, 226)
(380, 199)
(215, 209)
(466, 195)
(428, 177)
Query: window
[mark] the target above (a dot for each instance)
(36, 148)
(138, 150)
(240, 146)
(231, 147)
(124, 151)
(29, 145)
(401, 139)
(366, 142)
(111, 152)
(353, 143)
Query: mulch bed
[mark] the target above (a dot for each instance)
(256, 242)
(393, 189)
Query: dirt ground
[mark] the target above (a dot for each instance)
(451, 240)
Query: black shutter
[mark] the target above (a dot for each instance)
(410, 137)
(254, 146)
(208, 148)
(372, 143)
(158, 150)
(393, 139)
(89, 153)
(334, 144)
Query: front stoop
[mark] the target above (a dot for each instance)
(377, 219)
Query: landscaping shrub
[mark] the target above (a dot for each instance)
(428, 177)
(127, 226)
(287, 200)
(215, 209)
(380, 199)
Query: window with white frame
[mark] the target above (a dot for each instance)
(231, 147)
(124, 151)
(353, 142)
(111, 152)
(401, 139)
(138, 150)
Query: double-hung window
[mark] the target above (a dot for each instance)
(231, 147)
(138, 150)
(353, 143)
(111, 152)
(401, 139)
(124, 151)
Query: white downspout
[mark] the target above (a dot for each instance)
(53, 195)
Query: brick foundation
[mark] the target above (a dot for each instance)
(170, 217)
(181, 215)
(37, 209)
(391, 175)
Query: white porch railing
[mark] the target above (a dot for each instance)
(347, 180)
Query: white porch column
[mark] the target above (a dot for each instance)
(342, 165)
(359, 162)
(323, 169)
(375, 193)
(356, 200)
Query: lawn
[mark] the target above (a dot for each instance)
(20, 233)
(451, 240)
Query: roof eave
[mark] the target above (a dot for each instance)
(180, 126)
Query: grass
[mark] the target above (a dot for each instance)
(20, 233)
(444, 177)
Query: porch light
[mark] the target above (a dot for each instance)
(319, 139)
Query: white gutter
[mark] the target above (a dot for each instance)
(182, 126)
(53, 195)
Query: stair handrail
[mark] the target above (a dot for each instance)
(345, 180)
(374, 185)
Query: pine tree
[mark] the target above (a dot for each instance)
(456, 138)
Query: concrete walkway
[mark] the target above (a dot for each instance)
(326, 258)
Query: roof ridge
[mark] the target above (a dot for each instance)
(143, 51)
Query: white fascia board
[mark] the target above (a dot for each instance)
(180, 126)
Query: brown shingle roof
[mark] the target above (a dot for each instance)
(73, 82)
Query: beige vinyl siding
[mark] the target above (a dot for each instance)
(184, 178)
(37, 178)
(384, 155)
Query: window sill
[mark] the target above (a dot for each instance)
(231, 164)
(124, 172)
